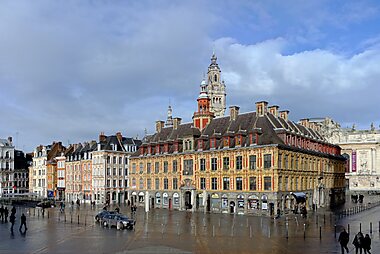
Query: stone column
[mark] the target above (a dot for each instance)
(193, 200)
(147, 201)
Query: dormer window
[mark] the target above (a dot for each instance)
(166, 148)
(176, 146)
(212, 143)
(157, 149)
(188, 144)
(226, 142)
(200, 144)
(252, 139)
(238, 140)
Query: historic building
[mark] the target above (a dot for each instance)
(78, 172)
(250, 163)
(43, 172)
(215, 88)
(362, 150)
(110, 165)
(14, 174)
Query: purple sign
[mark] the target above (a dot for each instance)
(354, 161)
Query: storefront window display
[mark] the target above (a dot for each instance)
(240, 201)
(165, 198)
(264, 202)
(253, 202)
(215, 202)
(141, 197)
(176, 198)
(224, 201)
(158, 198)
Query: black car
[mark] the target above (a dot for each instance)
(118, 220)
(46, 204)
(103, 213)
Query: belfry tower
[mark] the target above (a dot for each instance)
(203, 116)
(215, 88)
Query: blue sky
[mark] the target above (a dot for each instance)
(71, 69)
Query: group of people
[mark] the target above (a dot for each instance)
(12, 218)
(360, 242)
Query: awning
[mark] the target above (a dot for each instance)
(299, 196)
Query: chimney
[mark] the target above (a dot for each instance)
(305, 122)
(273, 110)
(176, 122)
(119, 136)
(102, 137)
(159, 125)
(10, 140)
(284, 114)
(261, 108)
(234, 112)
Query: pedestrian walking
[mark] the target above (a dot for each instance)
(367, 244)
(6, 212)
(12, 219)
(343, 239)
(13, 210)
(23, 222)
(358, 242)
(2, 213)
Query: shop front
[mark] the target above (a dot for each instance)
(215, 202)
(225, 207)
(253, 204)
(165, 200)
(240, 204)
(141, 197)
(158, 200)
(176, 201)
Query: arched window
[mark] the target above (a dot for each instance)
(215, 78)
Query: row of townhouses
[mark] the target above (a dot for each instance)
(89, 171)
(255, 162)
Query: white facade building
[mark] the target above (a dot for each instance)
(7, 155)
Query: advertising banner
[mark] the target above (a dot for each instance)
(353, 161)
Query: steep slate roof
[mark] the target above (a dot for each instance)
(266, 126)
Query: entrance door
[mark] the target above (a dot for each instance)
(170, 203)
(188, 200)
(271, 209)
(152, 202)
(232, 207)
(208, 203)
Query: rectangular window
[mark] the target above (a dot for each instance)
(214, 183)
(148, 184)
(239, 162)
(239, 183)
(267, 183)
(141, 184)
(252, 183)
(157, 183)
(175, 166)
(203, 183)
(175, 183)
(212, 143)
(188, 167)
(166, 184)
(267, 160)
(133, 168)
(252, 162)
(226, 183)
(157, 167)
(226, 163)
(202, 164)
(141, 166)
(280, 183)
(166, 167)
(148, 168)
(214, 164)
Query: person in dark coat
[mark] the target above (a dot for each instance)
(367, 244)
(6, 212)
(358, 242)
(344, 238)
(12, 219)
(13, 211)
(2, 213)
(23, 222)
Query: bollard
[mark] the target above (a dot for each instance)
(320, 232)
(370, 227)
(304, 231)
(78, 219)
(287, 231)
(335, 230)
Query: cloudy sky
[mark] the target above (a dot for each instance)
(71, 69)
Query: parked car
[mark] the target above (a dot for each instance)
(46, 204)
(118, 220)
(103, 213)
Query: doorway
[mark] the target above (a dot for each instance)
(152, 202)
(188, 200)
(232, 207)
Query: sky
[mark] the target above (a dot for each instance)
(72, 69)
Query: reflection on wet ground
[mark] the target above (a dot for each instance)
(163, 231)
